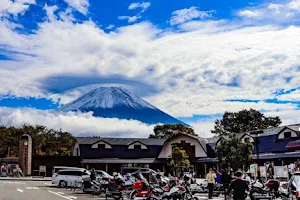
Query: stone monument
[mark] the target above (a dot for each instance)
(25, 154)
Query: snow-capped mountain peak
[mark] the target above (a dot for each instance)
(107, 97)
(117, 102)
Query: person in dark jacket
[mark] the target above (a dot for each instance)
(239, 187)
(93, 175)
(226, 180)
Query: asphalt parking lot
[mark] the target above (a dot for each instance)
(42, 190)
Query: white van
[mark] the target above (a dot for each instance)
(58, 168)
(69, 177)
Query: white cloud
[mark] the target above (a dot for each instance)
(50, 12)
(130, 19)
(109, 27)
(203, 127)
(144, 6)
(249, 13)
(75, 123)
(294, 5)
(292, 96)
(279, 13)
(14, 7)
(80, 5)
(187, 14)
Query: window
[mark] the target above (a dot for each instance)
(101, 146)
(247, 140)
(137, 146)
(287, 134)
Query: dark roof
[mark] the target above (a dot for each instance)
(270, 143)
(120, 141)
(266, 132)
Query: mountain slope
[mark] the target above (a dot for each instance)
(117, 102)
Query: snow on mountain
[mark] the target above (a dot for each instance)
(107, 97)
(117, 102)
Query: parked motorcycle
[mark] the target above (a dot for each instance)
(294, 187)
(155, 192)
(258, 189)
(114, 188)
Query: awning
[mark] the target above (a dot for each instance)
(123, 161)
(277, 155)
(206, 160)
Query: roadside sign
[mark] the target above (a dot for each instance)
(281, 171)
(42, 169)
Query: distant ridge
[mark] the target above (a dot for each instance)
(117, 102)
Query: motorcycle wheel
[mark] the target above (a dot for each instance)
(132, 194)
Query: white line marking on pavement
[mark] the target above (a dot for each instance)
(19, 190)
(56, 193)
(12, 182)
(59, 192)
(72, 197)
(48, 184)
(32, 188)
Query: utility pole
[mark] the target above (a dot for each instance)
(256, 140)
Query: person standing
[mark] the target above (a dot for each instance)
(93, 175)
(226, 179)
(239, 187)
(210, 177)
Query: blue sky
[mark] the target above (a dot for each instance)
(193, 59)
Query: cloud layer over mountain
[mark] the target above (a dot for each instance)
(199, 65)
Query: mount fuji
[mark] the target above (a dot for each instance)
(117, 102)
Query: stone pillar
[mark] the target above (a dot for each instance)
(25, 154)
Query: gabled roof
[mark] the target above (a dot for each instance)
(137, 141)
(266, 132)
(101, 141)
(120, 141)
(200, 140)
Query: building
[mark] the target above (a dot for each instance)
(278, 145)
(111, 154)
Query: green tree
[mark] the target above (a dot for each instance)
(45, 141)
(168, 130)
(179, 159)
(231, 150)
(243, 121)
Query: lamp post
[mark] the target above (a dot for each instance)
(256, 140)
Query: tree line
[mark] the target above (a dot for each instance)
(47, 142)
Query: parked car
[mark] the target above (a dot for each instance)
(103, 174)
(58, 168)
(69, 177)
